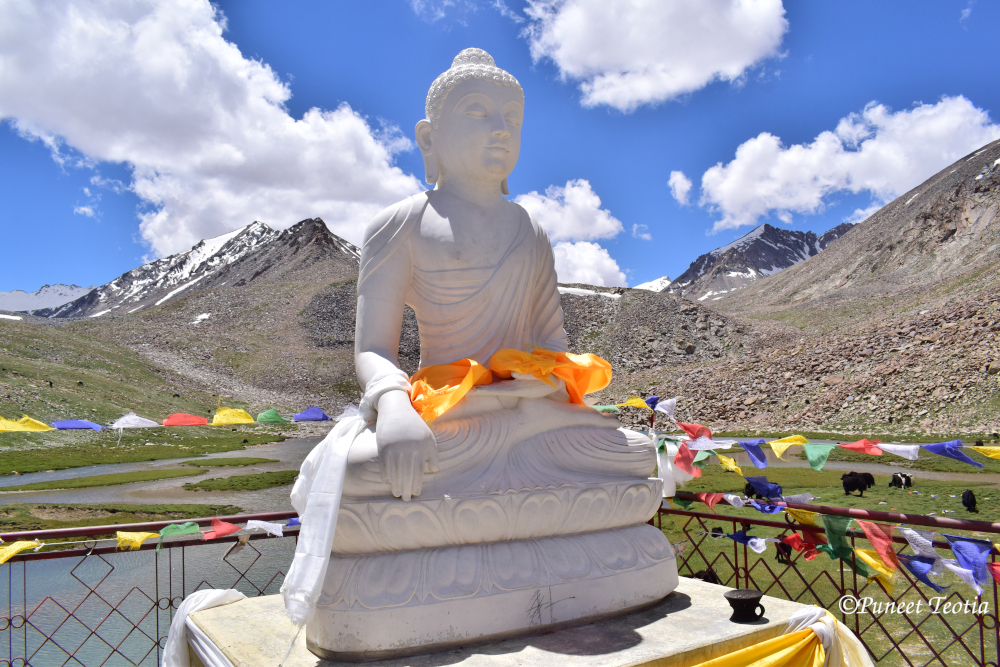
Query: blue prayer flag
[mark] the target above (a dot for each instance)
(294, 521)
(766, 508)
(951, 450)
(752, 447)
(76, 424)
(652, 401)
(972, 554)
(740, 536)
(919, 566)
(764, 487)
(311, 415)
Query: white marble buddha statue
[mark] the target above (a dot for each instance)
(448, 528)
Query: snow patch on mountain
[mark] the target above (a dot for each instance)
(657, 285)
(48, 296)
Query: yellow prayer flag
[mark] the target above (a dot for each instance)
(992, 452)
(133, 541)
(805, 517)
(14, 548)
(729, 464)
(779, 446)
(633, 402)
(871, 558)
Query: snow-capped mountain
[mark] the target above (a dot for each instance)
(657, 285)
(48, 296)
(762, 252)
(239, 256)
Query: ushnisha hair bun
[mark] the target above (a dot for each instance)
(468, 64)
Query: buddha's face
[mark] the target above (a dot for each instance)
(478, 135)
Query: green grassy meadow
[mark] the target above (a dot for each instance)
(18, 517)
(263, 480)
(105, 480)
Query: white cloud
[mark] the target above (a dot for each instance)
(641, 232)
(680, 186)
(571, 213)
(84, 210)
(875, 151)
(635, 52)
(154, 84)
(584, 262)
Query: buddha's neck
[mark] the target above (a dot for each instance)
(481, 193)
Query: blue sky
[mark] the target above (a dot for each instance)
(141, 172)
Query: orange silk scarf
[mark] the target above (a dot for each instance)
(436, 389)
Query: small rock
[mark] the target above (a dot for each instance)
(993, 368)
(800, 383)
(833, 380)
(750, 401)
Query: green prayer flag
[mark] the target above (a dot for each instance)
(188, 528)
(836, 536)
(817, 454)
(606, 408)
(686, 504)
(700, 457)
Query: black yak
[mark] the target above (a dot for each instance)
(784, 553)
(750, 492)
(969, 501)
(853, 481)
(708, 576)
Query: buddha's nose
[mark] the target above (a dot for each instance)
(500, 129)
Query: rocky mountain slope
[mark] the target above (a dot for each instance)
(937, 242)
(760, 253)
(230, 258)
(48, 296)
(898, 325)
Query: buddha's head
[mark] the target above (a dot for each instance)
(473, 125)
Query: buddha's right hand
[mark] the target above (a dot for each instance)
(406, 445)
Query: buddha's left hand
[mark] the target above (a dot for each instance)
(406, 445)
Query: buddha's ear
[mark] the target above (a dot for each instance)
(422, 133)
(504, 190)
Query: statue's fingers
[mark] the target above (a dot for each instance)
(418, 478)
(394, 476)
(431, 464)
(407, 473)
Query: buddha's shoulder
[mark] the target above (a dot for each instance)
(392, 219)
(536, 229)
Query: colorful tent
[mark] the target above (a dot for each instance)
(76, 424)
(228, 416)
(183, 419)
(312, 415)
(132, 420)
(25, 423)
(271, 417)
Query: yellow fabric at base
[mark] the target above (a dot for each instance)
(804, 517)
(583, 373)
(9, 551)
(871, 558)
(133, 540)
(798, 649)
(729, 464)
(25, 423)
(779, 446)
(227, 416)
(633, 402)
(992, 452)
(435, 389)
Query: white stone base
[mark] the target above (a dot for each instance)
(690, 626)
(387, 605)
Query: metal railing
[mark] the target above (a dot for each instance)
(920, 634)
(97, 605)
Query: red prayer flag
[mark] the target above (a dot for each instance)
(684, 459)
(709, 498)
(864, 447)
(994, 569)
(696, 430)
(881, 538)
(797, 542)
(220, 529)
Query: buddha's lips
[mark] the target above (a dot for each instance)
(498, 148)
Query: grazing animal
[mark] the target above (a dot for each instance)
(869, 480)
(901, 480)
(969, 501)
(784, 553)
(750, 492)
(853, 481)
(708, 576)
(979, 443)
